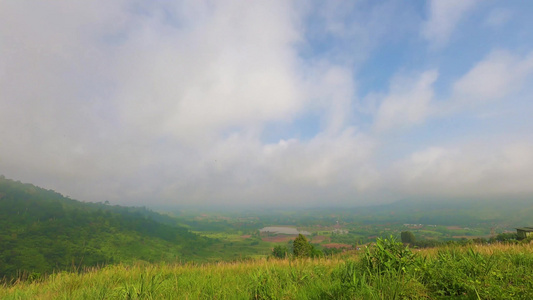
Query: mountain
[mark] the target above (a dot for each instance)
(43, 231)
(504, 213)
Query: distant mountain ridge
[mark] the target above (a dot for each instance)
(501, 212)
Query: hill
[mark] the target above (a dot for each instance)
(502, 213)
(43, 231)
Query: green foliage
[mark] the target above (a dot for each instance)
(427, 244)
(280, 251)
(146, 287)
(43, 231)
(482, 272)
(408, 237)
(455, 272)
(331, 251)
(356, 283)
(301, 247)
(505, 237)
(315, 253)
(386, 255)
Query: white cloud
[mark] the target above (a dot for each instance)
(444, 16)
(168, 102)
(323, 161)
(408, 102)
(227, 71)
(330, 90)
(51, 98)
(476, 169)
(498, 75)
(325, 168)
(110, 91)
(171, 102)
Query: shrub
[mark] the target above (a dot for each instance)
(386, 255)
(280, 251)
(408, 237)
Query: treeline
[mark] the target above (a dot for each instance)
(408, 237)
(42, 231)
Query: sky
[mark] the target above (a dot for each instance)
(268, 103)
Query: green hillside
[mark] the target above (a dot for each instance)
(43, 231)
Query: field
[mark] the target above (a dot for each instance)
(386, 271)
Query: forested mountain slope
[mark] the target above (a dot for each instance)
(42, 231)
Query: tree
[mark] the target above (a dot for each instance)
(315, 253)
(408, 237)
(301, 247)
(280, 251)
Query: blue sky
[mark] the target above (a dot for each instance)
(268, 102)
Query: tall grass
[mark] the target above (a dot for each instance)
(387, 270)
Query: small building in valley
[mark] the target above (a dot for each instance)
(524, 232)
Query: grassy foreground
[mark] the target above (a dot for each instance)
(386, 271)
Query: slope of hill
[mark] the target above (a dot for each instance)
(42, 231)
